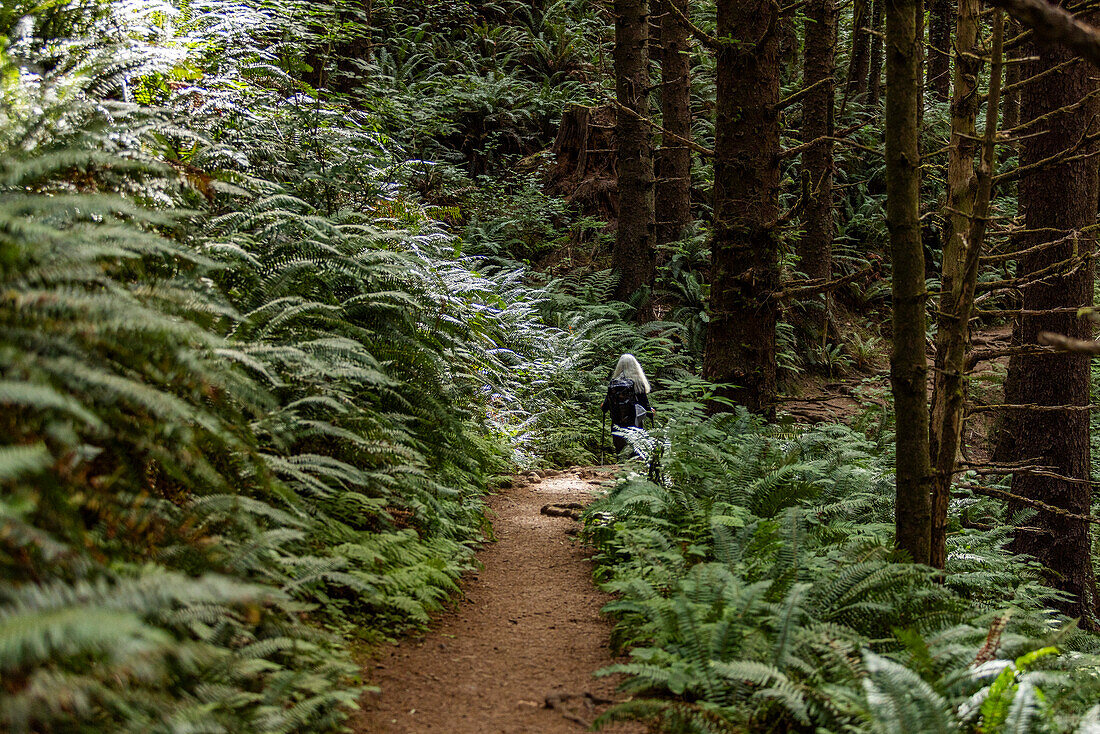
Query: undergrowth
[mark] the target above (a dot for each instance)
(269, 327)
(758, 590)
(253, 392)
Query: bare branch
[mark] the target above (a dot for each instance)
(813, 287)
(1037, 504)
(799, 206)
(1068, 344)
(1053, 24)
(702, 36)
(797, 96)
(985, 355)
(678, 138)
(1033, 408)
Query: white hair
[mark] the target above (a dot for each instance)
(629, 368)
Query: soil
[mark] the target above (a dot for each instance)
(815, 399)
(518, 653)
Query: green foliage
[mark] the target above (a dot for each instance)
(269, 325)
(758, 591)
(481, 83)
(252, 391)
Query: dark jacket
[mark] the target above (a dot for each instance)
(643, 400)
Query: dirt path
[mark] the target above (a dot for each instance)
(518, 654)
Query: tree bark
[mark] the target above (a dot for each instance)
(939, 49)
(1011, 102)
(1057, 202)
(816, 246)
(635, 238)
(967, 213)
(585, 161)
(860, 60)
(908, 368)
(655, 43)
(788, 48)
(1051, 23)
(874, 76)
(673, 194)
(740, 350)
(922, 49)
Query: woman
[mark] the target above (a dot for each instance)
(627, 398)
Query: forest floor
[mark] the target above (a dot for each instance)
(814, 399)
(518, 652)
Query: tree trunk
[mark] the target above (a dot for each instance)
(788, 49)
(874, 76)
(1011, 103)
(908, 368)
(635, 237)
(939, 49)
(674, 156)
(860, 61)
(740, 351)
(967, 213)
(585, 161)
(816, 246)
(655, 43)
(1058, 202)
(921, 49)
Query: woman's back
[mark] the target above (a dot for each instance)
(627, 398)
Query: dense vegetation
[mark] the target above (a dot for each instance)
(285, 286)
(252, 392)
(760, 591)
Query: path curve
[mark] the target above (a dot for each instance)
(517, 655)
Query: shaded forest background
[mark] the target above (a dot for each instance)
(288, 286)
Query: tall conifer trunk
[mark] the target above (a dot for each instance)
(654, 42)
(673, 203)
(1011, 101)
(860, 60)
(874, 75)
(740, 349)
(788, 49)
(908, 367)
(634, 251)
(816, 245)
(939, 49)
(1058, 202)
(968, 201)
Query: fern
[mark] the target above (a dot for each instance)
(758, 584)
(228, 368)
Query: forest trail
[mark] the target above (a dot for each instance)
(518, 654)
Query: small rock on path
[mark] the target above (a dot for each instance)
(527, 634)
